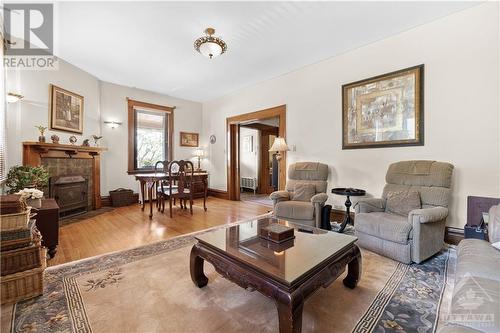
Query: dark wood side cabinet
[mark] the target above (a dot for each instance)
(47, 222)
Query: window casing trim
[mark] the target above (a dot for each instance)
(132, 105)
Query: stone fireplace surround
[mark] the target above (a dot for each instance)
(68, 160)
(60, 167)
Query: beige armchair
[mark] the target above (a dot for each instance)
(304, 195)
(414, 236)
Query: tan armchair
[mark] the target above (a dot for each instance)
(414, 236)
(304, 195)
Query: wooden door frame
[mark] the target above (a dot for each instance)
(265, 187)
(232, 131)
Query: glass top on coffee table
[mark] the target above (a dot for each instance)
(285, 262)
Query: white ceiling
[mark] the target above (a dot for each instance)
(149, 45)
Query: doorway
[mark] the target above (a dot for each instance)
(244, 131)
(257, 165)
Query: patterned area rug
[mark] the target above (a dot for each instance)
(261, 199)
(148, 289)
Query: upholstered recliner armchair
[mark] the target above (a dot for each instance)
(408, 223)
(304, 195)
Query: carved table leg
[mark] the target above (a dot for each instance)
(353, 270)
(196, 268)
(150, 197)
(143, 203)
(290, 314)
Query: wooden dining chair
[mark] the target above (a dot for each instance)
(182, 173)
(162, 166)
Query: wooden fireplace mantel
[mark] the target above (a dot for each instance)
(33, 152)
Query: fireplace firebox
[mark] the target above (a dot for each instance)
(71, 194)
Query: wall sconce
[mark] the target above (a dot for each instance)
(13, 98)
(113, 124)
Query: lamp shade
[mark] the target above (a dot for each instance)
(198, 153)
(279, 144)
(210, 49)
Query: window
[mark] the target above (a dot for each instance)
(150, 135)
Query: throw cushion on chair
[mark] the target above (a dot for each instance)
(303, 192)
(402, 202)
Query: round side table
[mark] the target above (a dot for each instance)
(348, 192)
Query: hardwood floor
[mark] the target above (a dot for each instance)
(128, 227)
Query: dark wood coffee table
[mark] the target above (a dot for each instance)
(288, 272)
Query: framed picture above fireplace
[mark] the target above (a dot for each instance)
(384, 111)
(66, 110)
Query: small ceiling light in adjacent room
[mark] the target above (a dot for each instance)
(209, 45)
(113, 124)
(12, 98)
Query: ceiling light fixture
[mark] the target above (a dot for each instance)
(209, 45)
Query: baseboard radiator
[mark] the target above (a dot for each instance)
(249, 183)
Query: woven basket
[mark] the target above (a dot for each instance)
(15, 221)
(121, 197)
(22, 259)
(22, 285)
(14, 239)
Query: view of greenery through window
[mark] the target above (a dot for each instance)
(150, 138)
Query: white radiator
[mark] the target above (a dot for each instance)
(249, 182)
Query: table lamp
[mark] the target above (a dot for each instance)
(199, 154)
(279, 146)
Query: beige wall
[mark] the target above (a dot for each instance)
(461, 58)
(249, 161)
(103, 101)
(187, 118)
(33, 109)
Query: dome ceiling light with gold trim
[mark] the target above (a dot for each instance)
(209, 45)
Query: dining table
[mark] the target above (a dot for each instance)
(150, 181)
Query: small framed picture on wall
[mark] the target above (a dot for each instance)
(189, 139)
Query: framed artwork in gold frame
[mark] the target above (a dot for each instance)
(66, 110)
(189, 139)
(384, 111)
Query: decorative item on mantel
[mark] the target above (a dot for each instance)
(55, 139)
(42, 129)
(96, 139)
(72, 139)
(86, 143)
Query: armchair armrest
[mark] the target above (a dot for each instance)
(369, 205)
(278, 196)
(319, 198)
(426, 215)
